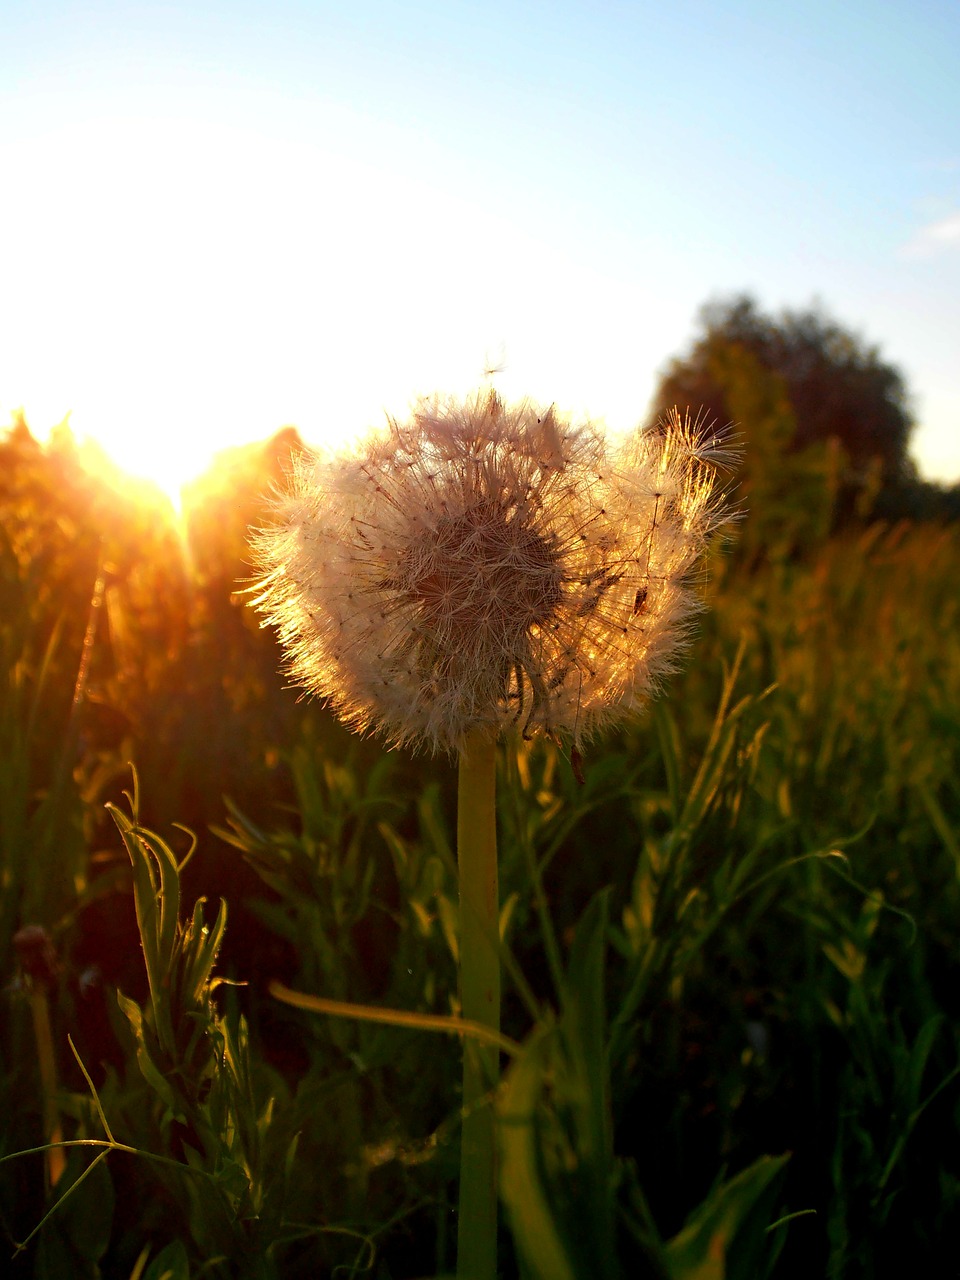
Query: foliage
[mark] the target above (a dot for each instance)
(731, 974)
(804, 392)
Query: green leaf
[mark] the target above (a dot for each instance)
(724, 1237)
(522, 1187)
(558, 1174)
(585, 1033)
(205, 945)
(77, 1234)
(158, 905)
(171, 1263)
(148, 1068)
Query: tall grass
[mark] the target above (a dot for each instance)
(729, 956)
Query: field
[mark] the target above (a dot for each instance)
(730, 957)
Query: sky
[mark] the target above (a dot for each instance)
(219, 219)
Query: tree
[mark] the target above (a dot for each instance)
(837, 387)
(789, 495)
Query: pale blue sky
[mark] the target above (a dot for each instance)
(221, 218)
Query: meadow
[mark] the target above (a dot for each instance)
(730, 957)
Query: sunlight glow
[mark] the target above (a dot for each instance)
(181, 288)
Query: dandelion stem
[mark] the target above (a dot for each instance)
(480, 1002)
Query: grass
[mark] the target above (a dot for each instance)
(730, 973)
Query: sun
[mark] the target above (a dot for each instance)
(145, 461)
(143, 472)
(221, 283)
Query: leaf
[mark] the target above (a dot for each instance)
(148, 1068)
(77, 1234)
(941, 824)
(171, 1263)
(205, 944)
(158, 906)
(556, 1134)
(584, 1035)
(584, 1032)
(521, 1184)
(703, 1249)
(406, 1018)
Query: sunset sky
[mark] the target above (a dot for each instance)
(221, 218)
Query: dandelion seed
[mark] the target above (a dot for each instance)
(484, 568)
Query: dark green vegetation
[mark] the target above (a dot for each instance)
(731, 954)
(804, 388)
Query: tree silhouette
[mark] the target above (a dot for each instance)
(837, 387)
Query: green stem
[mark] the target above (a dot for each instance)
(47, 1063)
(547, 931)
(480, 1002)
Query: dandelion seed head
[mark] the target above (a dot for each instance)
(490, 567)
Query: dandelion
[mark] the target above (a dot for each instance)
(479, 571)
(488, 568)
